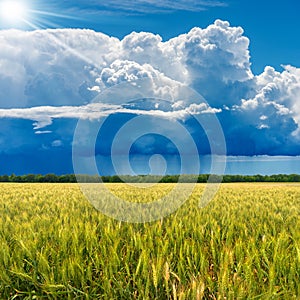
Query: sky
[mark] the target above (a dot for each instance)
(130, 87)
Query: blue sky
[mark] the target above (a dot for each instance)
(241, 58)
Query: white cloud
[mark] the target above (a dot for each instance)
(57, 143)
(60, 67)
(43, 116)
(220, 50)
(48, 67)
(277, 96)
(56, 74)
(43, 131)
(149, 6)
(126, 71)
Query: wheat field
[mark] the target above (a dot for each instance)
(245, 244)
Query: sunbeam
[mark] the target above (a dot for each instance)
(18, 14)
(22, 14)
(13, 11)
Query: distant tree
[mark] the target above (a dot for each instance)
(50, 178)
(29, 178)
(4, 178)
(202, 178)
(115, 178)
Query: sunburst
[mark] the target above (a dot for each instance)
(23, 14)
(13, 11)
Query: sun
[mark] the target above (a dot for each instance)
(28, 14)
(12, 11)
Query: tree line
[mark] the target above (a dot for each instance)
(202, 178)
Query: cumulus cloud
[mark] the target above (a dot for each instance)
(49, 75)
(49, 66)
(276, 100)
(63, 67)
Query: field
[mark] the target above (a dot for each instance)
(245, 244)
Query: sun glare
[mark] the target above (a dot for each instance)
(12, 11)
(27, 14)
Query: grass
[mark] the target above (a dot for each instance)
(244, 245)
